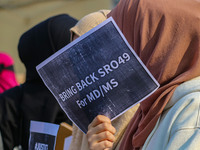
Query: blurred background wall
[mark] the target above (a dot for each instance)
(17, 16)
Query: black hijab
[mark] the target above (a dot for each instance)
(32, 100)
(42, 41)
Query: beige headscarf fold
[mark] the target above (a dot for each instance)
(88, 22)
(166, 36)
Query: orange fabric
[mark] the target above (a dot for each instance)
(166, 36)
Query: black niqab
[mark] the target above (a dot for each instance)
(32, 100)
(43, 40)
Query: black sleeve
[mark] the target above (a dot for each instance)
(10, 117)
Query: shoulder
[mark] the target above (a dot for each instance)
(11, 93)
(184, 105)
(183, 108)
(185, 90)
(180, 120)
(186, 112)
(184, 127)
(10, 99)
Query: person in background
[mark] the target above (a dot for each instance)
(7, 74)
(166, 37)
(32, 100)
(79, 139)
(7, 77)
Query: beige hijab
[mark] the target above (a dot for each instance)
(79, 139)
(166, 36)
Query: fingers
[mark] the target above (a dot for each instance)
(99, 119)
(103, 145)
(102, 127)
(101, 124)
(103, 136)
(100, 133)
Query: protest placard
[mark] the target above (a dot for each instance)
(42, 135)
(98, 73)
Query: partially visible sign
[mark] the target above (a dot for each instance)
(98, 73)
(67, 142)
(42, 135)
